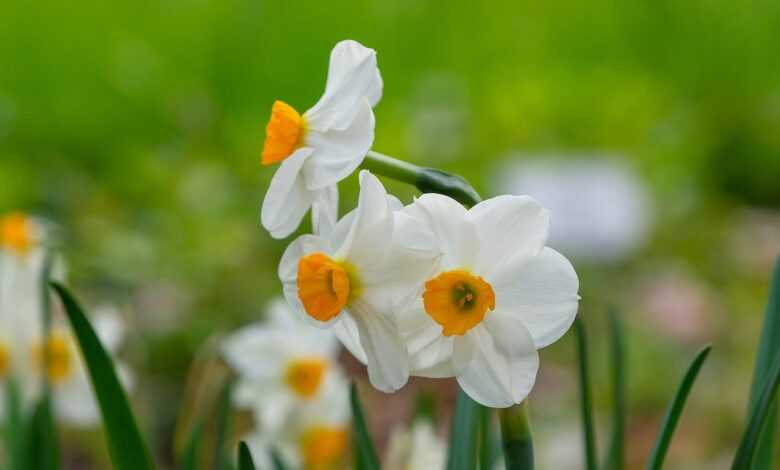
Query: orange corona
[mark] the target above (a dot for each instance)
(305, 375)
(283, 134)
(458, 300)
(324, 286)
(16, 232)
(323, 446)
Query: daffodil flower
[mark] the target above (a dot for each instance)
(314, 437)
(322, 146)
(282, 363)
(416, 448)
(346, 280)
(496, 296)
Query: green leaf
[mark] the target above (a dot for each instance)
(488, 444)
(464, 434)
(586, 400)
(14, 425)
(125, 444)
(516, 437)
(675, 410)
(768, 347)
(42, 450)
(615, 457)
(276, 459)
(192, 451)
(365, 453)
(245, 461)
(221, 456)
(758, 419)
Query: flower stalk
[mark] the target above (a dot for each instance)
(516, 437)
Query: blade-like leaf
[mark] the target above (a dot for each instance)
(758, 418)
(365, 453)
(675, 410)
(615, 459)
(221, 456)
(276, 459)
(189, 459)
(125, 444)
(488, 444)
(768, 347)
(586, 401)
(14, 425)
(516, 437)
(42, 450)
(464, 434)
(245, 461)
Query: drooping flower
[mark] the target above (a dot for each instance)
(354, 278)
(496, 296)
(315, 436)
(282, 363)
(417, 448)
(324, 145)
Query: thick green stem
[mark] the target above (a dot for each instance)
(516, 437)
(427, 180)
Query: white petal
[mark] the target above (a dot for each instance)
(287, 199)
(338, 152)
(75, 402)
(368, 241)
(325, 211)
(109, 327)
(502, 370)
(387, 359)
(346, 331)
(352, 76)
(509, 227)
(541, 292)
(430, 352)
(451, 226)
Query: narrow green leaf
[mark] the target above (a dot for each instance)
(245, 461)
(768, 347)
(365, 454)
(675, 410)
(464, 434)
(14, 425)
(516, 437)
(586, 400)
(125, 444)
(277, 460)
(189, 460)
(221, 456)
(42, 449)
(758, 418)
(615, 457)
(487, 440)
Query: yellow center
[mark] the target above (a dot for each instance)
(458, 300)
(16, 232)
(5, 361)
(283, 134)
(304, 375)
(55, 357)
(323, 446)
(324, 285)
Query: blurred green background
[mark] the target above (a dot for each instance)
(136, 128)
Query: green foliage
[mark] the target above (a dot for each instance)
(189, 459)
(586, 401)
(464, 434)
(365, 454)
(222, 458)
(42, 449)
(516, 437)
(245, 461)
(615, 456)
(125, 444)
(277, 461)
(675, 410)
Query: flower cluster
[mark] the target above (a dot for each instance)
(431, 288)
(291, 382)
(27, 353)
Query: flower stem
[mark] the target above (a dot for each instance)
(516, 437)
(427, 180)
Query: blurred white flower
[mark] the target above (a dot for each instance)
(496, 295)
(282, 363)
(418, 448)
(344, 280)
(602, 210)
(314, 437)
(325, 144)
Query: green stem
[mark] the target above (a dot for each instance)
(427, 180)
(516, 437)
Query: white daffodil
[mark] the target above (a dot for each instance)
(354, 278)
(418, 448)
(325, 144)
(496, 296)
(282, 363)
(314, 437)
